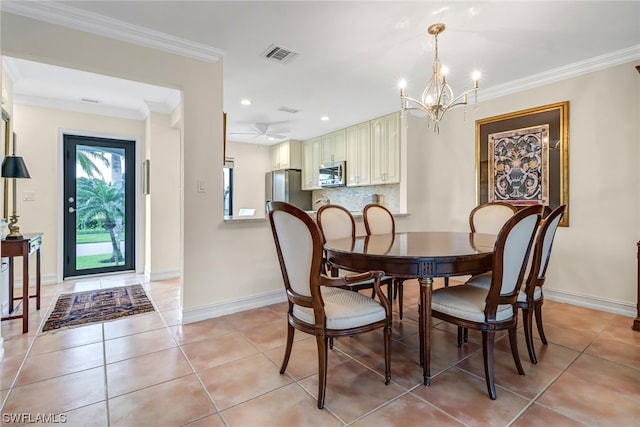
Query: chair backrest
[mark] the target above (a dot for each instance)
(542, 248)
(510, 255)
(378, 219)
(299, 245)
(490, 217)
(335, 222)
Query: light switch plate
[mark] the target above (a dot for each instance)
(29, 196)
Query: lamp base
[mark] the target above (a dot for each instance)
(14, 230)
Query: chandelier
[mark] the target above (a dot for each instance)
(437, 97)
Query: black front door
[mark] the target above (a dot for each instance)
(99, 208)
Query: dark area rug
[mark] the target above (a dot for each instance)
(100, 305)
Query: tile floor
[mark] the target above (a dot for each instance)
(148, 370)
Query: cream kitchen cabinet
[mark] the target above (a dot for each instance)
(310, 163)
(333, 147)
(385, 149)
(359, 154)
(286, 155)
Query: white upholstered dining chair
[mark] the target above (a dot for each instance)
(493, 309)
(531, 297)
(317, 303)
(379, 220)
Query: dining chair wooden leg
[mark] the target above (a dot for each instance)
(387, 354)
(331, 343)
(539, 323)
(446, 282)
(420, 334)
(487, 353)
(322, 343)
(460, 328)
(513, 340)
(527, 320)
(287, 351)
(400, 296)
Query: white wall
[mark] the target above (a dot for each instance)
(252, 161)
(37, 130)
(593, 258)
(163, 258)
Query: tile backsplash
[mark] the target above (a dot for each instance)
(355, 198)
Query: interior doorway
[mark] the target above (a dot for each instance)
(99, 205)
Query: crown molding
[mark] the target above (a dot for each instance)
(81, 20)
(576, 69)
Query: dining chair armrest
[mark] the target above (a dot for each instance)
(342, 281)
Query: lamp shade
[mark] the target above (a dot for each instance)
(14, 167)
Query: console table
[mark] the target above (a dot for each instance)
(24, 247)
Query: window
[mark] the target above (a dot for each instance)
(227, 183)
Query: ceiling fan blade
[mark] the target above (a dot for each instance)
(276, 136)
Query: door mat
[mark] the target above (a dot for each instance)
(100, 305)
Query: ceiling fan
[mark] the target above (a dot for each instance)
(264, 130)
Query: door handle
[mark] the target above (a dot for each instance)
(72, 210)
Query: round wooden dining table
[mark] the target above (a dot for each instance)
(422, 255)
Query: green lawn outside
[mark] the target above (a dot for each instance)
(94, 236)
(95, 261)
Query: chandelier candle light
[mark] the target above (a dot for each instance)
(437, 97)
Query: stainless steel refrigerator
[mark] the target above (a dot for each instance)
(286, 186)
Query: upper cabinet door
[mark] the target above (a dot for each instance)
(358, 154)
(286, 155)
(385, 149)
(334, 147)
(310, 164)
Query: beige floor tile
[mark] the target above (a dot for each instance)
(209, 353)
(9, 367)
(58, 340)
(62, 362)
(405, 368)
(465, 397)
(408, 410)
(304, 357)
(241, 380)
(596, 392)
(618, 344)
(88, 416)
(143, 371)
(133, 325)
(551, 363)
(172, 403)
(203, 330)
(352, 390)
(539, 416)
(60, 394)
(269, 335)
(136, 345)
(286, 406)
(214, 420)
(256, 317)
(171, 317)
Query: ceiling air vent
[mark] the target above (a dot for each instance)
(279, 54)
(288, 110)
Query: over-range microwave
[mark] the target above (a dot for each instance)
(333, 174)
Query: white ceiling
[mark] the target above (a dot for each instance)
(351, 54)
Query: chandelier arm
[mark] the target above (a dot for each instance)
(454, 102)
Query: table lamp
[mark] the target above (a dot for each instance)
(13, 167)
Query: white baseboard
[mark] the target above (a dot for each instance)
(606, 305)
(49, 279)
(229, 307)
(163, 275)
(248, 303)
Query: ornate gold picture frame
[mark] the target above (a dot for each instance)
(523, 158)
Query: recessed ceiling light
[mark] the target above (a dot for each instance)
(324, 118)
(245, 102)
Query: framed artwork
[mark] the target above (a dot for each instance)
(522, 158)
